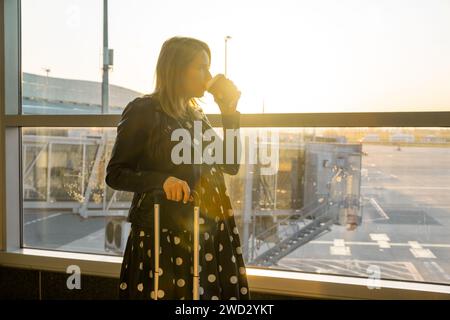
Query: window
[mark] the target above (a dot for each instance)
(349, 199)
(336, 200)
(61, 57)
(286, 56)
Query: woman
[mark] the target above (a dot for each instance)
(141, 161)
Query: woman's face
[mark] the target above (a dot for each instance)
(196, 76)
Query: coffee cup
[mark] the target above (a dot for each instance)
(224, 91)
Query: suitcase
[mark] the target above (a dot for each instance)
(157, 194)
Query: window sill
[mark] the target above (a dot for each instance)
(263, 280)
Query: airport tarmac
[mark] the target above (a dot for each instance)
(405, 231)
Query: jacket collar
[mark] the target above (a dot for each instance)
(204, 119)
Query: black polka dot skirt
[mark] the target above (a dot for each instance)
(221, 267)
(222, 270)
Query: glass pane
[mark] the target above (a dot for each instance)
(63, 191)
(363, 202)
(61, 57)
(292, 56)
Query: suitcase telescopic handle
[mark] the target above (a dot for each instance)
(196, 196)
(157, 197)
(157, 194)
(196, 240)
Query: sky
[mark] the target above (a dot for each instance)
(284, 56)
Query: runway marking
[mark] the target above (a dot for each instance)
(342, 269)
(382, 240)
(378, 208)
(419, 252)
(379, 237)
(384, 244)
(416, 206)
(393, 244)
(42, 219)
(340, 251)
(422, 253)
(414, 244)
(349, 242)
(94, 241)
(389, 269)
(339, 248)
(408, 187)
(436, 245)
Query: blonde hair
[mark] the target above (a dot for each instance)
(175, 55)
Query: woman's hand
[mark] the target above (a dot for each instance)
(234, 95)
(176, 189)
(232, 107)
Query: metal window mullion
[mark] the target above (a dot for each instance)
(281, 120)
(10, 200)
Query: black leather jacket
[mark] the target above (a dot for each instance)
(141, 160)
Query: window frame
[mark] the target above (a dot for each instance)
(264, 280)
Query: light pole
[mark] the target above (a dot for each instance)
(107, 61)
(46, 98)
(47, 71)
(226, 42)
